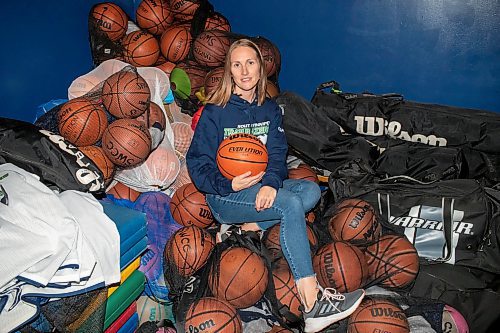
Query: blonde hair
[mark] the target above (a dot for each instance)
(221, 95)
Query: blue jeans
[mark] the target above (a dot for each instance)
(293, 200)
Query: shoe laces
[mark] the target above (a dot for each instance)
(331, 295)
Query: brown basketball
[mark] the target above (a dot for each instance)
(188, 249)
(392, 261)
(188, 207)
(378, 315)
(184, 10)
(242, 278)
(240, 153)
(154, 16)
(354, 221)
(166, 67)
(341, 266)
(271, 55)
(303, 171)
(122, 191)
(82, 121)
(217, 21)
(272, 89)
(212, 80)
(126, 142)
(195, 73)
(209, 314)
(126, 94)
(210, 47)
(140, 48)
(272, 242)
(279, 329)
(286, 291)
(153, 117)
(175, 43)
(96, 154)
(110, 19)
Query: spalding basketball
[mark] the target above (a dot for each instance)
(140, 48)
(286, 291)
(154, 16)
(110, 19)
(126, 94)
(217, 21)
(212, 80)
(271, 55)
(175, 43)
(122, 191)
(303, 171)
(188, 249)
(153, 117)
(392, 261)
(240, 278)
(378, 315)
(82, 121)
(189, 207)
(240, 153)
(354, 221)
(184, 10)
(97, 155)
(209, 314)
(126, 142)
(167, 67)
(272, 242)
(341, 266)
(210, 47)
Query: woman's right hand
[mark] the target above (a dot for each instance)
(246, 180)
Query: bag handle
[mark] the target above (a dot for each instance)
(330, 84)
(335, 88)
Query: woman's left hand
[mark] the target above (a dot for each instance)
(265, 198)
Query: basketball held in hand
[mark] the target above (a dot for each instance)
(240, 153)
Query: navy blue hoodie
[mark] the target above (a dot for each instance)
(238, 116)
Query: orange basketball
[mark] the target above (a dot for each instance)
(354, 221)
(126, 142)
(242, 277)
(122, 191)
(82, 121)
(217, 21)
(272, 242)
(183, 134)
(279, 329)
(271, 55)
(272, 89)
(240, 153)
(286, 291)
(166, 67)
(126, 94)
(212, 80)
(209, 314)
(96, 154)
(175, 43)
(378, 315)
(110, 19)
(188, 207)
(341, 266)
(184, 10)
(188, 249)
(140, 48)
(160, 169)
(195, 73)
(303, 171)
(392, 261)
(154, 16)
(153, 117)
(210, 47)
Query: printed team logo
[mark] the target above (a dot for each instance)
(260, 130)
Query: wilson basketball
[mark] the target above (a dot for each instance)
(378, 315)
(210, 48)
(82, 121)
(195, 73)
(354, 221)
(154, 16)
(242, 277)
(126, 94)
(175, 43)
(122, 191)
(303, 171)
(392, 261)
(189, 249)
(153, 117)
(272, 242)
(217, 21)
(272, 89)
(96, 154)
(126, 142)
(212, 80)
(286, 291)
(140, 48)
(184, 10)
(240, 153)
(189, 207)
(341, 266)
(271, 55)
(110, 19)
(209, 314)
(166, 67)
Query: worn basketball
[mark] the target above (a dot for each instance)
(140, 48)
(153, 117)
(217, 21)
(453, 321)
(286, 291)
(126, 142)
(97, 155)
(175, 43)
(184, 10)
(195, 73)
(210, 47)
(271, 55)
(82, 121)
(378, 315)
(355, 221)
(392, 261)
(126, 94)
(122, 191)
(110, 19)
(272, 89)
(272, 242)
(303, 171)
(240, 153)
(189, 249)
(242, 277)
(212, 80)
(189, 207)
(209, 314)
(340, 265)
(154, 16)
